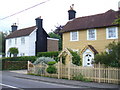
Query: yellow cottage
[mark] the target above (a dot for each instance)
(90, 34)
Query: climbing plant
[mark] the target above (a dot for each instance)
(75, 58)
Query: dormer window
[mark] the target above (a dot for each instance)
(91, 34)
(112, 33)
(74, 36)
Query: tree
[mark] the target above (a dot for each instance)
(58, 29)
(117, 21)
(111, 57)
(2, 43)
(13, 51)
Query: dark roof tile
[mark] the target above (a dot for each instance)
(21, 32)
(93, 21)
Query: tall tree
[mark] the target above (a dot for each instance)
(2, 43)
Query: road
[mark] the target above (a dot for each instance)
(9, 81)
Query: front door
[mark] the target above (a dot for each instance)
(88, 57)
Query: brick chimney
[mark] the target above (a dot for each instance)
(71, 13)
(14, 27)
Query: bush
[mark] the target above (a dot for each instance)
(80, 77)
(43, 60)
(51, 69)
(76, 58)
(13, 51)
(110, 58)
(49, 54)
(51, 62)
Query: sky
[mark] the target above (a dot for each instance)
(53, 12)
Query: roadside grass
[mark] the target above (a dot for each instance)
(77, 78)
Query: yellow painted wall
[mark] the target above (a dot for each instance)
(98, 44)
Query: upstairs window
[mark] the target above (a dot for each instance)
(74, 36)
(91, 34)
(15, 40)
(112, 33)
(22, 40)
(10, 42)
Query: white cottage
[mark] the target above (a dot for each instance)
(31, 40)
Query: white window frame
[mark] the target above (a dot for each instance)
(95, 34)
(71, 38)
(22, 42)
(116, 33)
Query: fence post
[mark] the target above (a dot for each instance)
(28, 67)
(99, 71)
(69, 67)
(58, 70)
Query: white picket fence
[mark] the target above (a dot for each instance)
(98, 73)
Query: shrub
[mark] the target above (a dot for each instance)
(51, 69)
(49, 54)
(43, 60)
(76, 58)
(13, 51)
(110, 58)
(51, 62)
(80, 77)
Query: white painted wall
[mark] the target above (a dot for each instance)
(28, 48)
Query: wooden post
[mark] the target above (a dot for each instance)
(28, 67)
(69, 70)
(59, 70)
(99, 71)
(108, 74)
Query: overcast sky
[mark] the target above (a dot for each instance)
(53, 12)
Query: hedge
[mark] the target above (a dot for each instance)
(16, 63)
(23, 58)
(48, 54)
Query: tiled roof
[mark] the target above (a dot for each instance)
(93, 49)
(22, 32)
(94, 21)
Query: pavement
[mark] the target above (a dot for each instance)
(23, 74)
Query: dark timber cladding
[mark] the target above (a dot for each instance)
(41, 37)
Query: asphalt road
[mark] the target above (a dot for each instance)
(9, 81)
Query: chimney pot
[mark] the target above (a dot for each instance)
(39, 22)
(14, 27)
(71, 12)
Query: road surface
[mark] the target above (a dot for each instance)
(10, 81)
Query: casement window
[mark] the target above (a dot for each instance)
(15, 40)
(91, 34)
(22, 40)
(74, 36)
(9, 42)
(112, 33)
